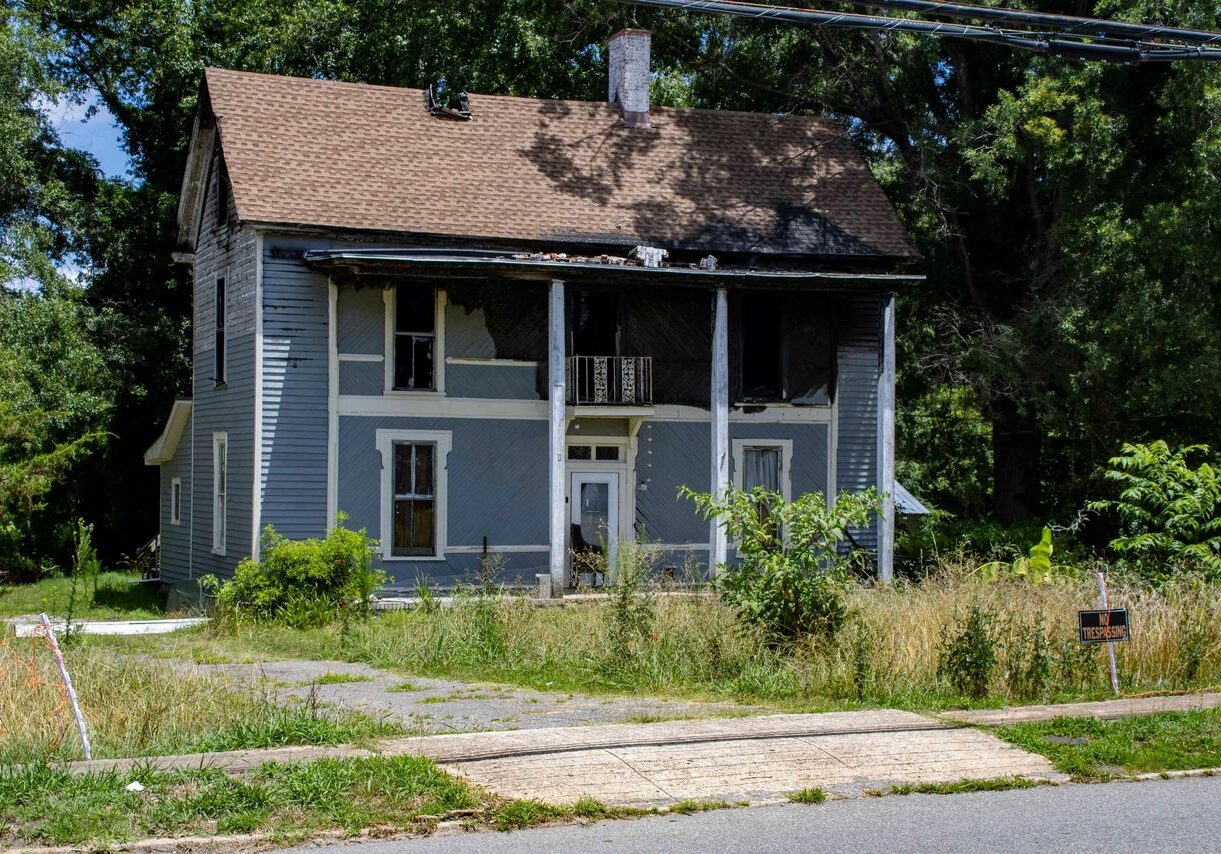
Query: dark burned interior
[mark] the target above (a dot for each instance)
(781, 343)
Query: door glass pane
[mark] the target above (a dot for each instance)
(595, 512)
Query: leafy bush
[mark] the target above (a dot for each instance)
(1169, 512)
(1035, 567)
(304, 582)
(792, 574)
(968, 654)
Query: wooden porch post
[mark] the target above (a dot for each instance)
(717, 545)
(886, 444)
(557, 399)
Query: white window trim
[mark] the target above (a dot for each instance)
(786, 461)
(220, 504)
(438, 347)
(176, 508)
(443, 439)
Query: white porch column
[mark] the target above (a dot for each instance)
(557, 399)
(886, 444)
(718, 547)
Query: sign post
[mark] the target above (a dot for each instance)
(1105, 626)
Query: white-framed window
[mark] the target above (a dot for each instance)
(175, 501)
(219, 354)
(766, 463)
(413, 493)
(415, 338)
(220, 490)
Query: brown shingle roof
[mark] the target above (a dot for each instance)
(351, 156)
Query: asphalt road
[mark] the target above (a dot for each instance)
(1156, 816)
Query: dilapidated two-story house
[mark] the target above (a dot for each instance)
(514, 325)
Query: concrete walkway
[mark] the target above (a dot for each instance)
(757, 759)
(1103, 709)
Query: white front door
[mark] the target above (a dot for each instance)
(594, 506)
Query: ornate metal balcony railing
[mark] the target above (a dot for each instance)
(610, 380)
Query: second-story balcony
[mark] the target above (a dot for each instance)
(610, 380)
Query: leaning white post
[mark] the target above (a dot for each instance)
(63, 674)
(886, 444)
(555, 365)
(717, 545)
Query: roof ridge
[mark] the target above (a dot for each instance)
(803, 117)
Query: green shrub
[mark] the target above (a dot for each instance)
(1035, 566)
(968, 655)
(792, 574)
(304, 583)
(1169, 512)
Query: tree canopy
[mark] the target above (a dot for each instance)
(1067, 213)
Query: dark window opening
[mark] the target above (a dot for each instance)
(415, 334)
(579, 452)
(762, 347)
(595, 324)
(607, 453)
(415, 501)
(218, 368)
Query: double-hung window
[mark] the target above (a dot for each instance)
(220, 490)
(176, 501)
(765, 464)
(415, 338)
(218, 351)
(413, 492)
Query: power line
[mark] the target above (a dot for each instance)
(1058, 42)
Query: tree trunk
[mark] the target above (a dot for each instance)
(1016, 446)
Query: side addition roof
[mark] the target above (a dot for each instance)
(314, 153)
(162, 450)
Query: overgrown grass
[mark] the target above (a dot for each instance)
(813, 795)
(43, 804)
(1090, 749)
(139, 707)
(120, 596)
(691, 646)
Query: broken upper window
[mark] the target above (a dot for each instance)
(783, 350)
(415, 334)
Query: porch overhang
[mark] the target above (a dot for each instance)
(435, 263)
(162, 450)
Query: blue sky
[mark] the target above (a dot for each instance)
(96, 133)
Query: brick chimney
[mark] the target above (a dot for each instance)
(629, 76)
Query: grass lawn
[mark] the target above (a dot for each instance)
(119, 597)
(1090, 749)
(46, 805)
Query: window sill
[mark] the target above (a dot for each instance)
(218, 552)
(219, 385)
(175, 523)
(418, 558)
(408, 392)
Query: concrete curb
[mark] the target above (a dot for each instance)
(1101, 709)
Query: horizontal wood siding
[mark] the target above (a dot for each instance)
(295, 395)
(227, 250)
(497, 476)
(858, 357)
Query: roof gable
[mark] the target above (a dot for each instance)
(303, 152)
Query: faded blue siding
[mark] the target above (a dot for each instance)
(295, 396)
(368, 378)
(223, 250)
(671, 454)
(360, 321)
(857, 354)
(501, 382)
(810, 450)
(497, 480)
(175, 553)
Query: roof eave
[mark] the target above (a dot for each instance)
(194, 179)
(166, 445)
